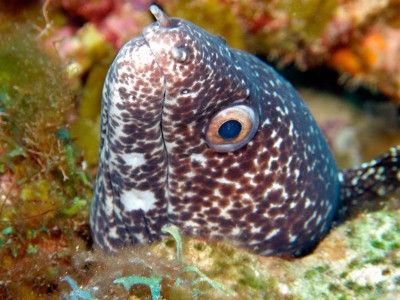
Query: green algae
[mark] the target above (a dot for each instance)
(376, 235)
(36, 152)
(35, 97)
(369, 269)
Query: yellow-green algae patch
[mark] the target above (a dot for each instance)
(309, 18)
(212, 15)
(359, 259)
(93, 58)
(368, 267)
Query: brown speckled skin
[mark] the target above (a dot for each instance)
(276, 195)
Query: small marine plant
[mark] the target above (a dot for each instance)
(174, 232)
(201, 277)
(77, 293)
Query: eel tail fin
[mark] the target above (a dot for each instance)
(377, 177)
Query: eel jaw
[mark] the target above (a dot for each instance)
(130, 203)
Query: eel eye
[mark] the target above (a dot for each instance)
(232, 128)
(180, 54)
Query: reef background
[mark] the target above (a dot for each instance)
(344, 57)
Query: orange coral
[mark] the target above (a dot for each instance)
(372, 49)
(344, 59)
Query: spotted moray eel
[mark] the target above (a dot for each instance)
(213, 140)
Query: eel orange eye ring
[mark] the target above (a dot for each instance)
(232, 128)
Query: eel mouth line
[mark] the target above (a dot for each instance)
(154, 56)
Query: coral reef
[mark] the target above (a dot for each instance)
(358, 38)
(54, 56)
(372, 59)
(117, 20)
(88, 50)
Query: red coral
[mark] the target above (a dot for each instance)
(61, 41)
(117, 20)
(94, 10)
(122, 24)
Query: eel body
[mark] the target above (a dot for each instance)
(213, 140)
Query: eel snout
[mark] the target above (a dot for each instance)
(160, 16)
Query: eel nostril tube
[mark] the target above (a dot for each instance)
(160, 16)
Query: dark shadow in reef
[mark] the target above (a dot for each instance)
(15, 6)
